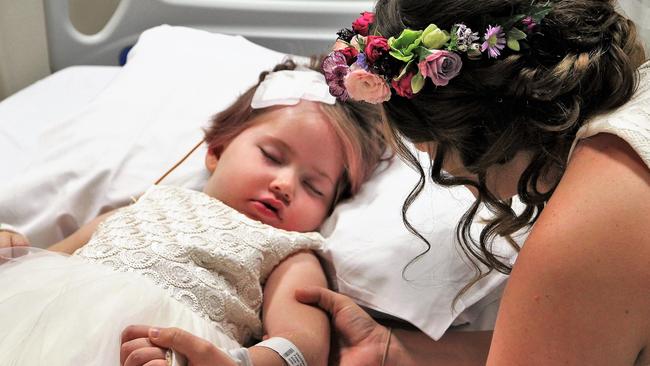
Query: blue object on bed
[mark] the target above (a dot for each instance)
(124, 54)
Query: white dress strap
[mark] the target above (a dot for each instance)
(631, 122)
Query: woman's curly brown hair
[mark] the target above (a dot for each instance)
(582, 62)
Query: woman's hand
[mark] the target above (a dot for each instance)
(142, 345)
(361, 340)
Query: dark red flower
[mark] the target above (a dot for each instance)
(350, 54)
(403, 86)
(362, 24)
(376, 47)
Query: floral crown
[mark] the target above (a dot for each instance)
(365, 67)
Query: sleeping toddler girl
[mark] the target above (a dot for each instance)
(222, 263)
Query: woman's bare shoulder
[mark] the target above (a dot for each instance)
(580, 290)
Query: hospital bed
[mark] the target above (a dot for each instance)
(95, 134)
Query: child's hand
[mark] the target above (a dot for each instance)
(9, 239)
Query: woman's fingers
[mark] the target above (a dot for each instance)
(131, 346)
(157, 363)
(350, 321)
(327, 300)
(198, 351)
(17, 242)
(148, 356)
(134, 338)
(10, 239)
(5, 239)
(135, 331)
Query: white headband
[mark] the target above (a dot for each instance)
(287, 87)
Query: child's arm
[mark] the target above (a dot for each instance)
(283, 316)
(80, 237)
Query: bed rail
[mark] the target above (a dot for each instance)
(291, 26)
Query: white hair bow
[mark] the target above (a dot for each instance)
(287, 87)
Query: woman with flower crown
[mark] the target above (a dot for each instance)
(546, 100)
(549, 101)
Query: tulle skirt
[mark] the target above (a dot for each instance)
(61, 310)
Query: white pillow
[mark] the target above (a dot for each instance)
(152, 113)
(372, 251)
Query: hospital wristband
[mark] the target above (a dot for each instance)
(287, 350)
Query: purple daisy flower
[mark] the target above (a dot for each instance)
(495, 41)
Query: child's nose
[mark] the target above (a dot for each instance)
(282, 187)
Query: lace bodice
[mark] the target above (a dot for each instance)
(204, 253)
(631, 121)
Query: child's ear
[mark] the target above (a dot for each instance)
(211, 160)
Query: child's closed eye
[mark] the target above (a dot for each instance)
(269, 156)
(313, 189)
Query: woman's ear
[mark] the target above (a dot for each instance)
(211, 160)
(425, 147)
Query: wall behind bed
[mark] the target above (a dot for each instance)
(23, 45)
(38, 37)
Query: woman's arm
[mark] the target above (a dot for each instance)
(411, 347)
(80, 237)
(283, 316)
(579, 293)
(363, 341)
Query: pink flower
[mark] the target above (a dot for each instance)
(363, 85)
(440, 66)
(362, 23)
(376, 47)
(357, 40)
(403, 86)
(339, 45)
(529, 23)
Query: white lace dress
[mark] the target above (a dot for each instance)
(174, 258)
